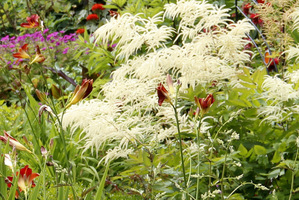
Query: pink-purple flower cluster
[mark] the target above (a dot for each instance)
(56, 41)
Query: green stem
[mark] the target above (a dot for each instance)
(222, 177)
(180, 140)
(198, 160)
(293, 176)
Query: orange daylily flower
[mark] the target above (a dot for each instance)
(80, 31)
(22, 52)
(81, 92)
(13, 142)
(25, 180)
(33, 22)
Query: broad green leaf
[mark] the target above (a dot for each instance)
(246, 71)
(236, 196)
(242, 150)
(245, 78)
(259, 150)
(248, 85)
(276, 157)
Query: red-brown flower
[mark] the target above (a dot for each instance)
(32, 22)
(97, 6)
(113, 13)
(81, 92)
(162, 94)
(25, 180)
(92, 17)
(22, 52)
(269, 60)
(261, 1)
(80, 31)
(246, 8)
(255, 18)
(204, 103)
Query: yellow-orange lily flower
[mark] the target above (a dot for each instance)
(39, 58)
(22, 52)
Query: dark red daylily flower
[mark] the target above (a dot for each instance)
(113, 13)
(255, 18)
(22, 52)
(261, 1)
(81, 92)
(25, 180)
(92, 17)
(246, 8)
(269, 60)
(80, 31)
(162, 94)
(32, 22)
(97, 6)
(204, 103)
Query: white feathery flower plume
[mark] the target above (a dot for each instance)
(295, 17)
(293, 76)
(129, 112)
(278, 90)
(131, 32)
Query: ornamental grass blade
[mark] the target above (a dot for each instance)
(102, 183)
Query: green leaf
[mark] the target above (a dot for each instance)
(3, 186)
(259, 150)
(245, 78)
(102, 184)
(242, 150)
(236, 196)
(276, 157)
(35, 192)
(6, 6)
(246, 71)
(13, 189)
(120, 3)
(248, 85)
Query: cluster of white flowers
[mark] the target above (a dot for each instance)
(212, 47)
(276, 92)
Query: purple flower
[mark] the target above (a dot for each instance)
(6, 38)
(65, 50)
(44, 48)
(46, 30)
